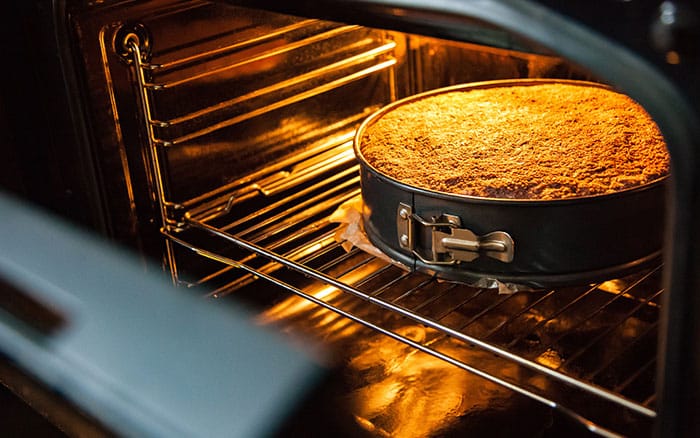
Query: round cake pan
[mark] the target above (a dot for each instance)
(535, 243)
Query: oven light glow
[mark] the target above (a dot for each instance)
(396, 390)
(408, 394)
(672, 57)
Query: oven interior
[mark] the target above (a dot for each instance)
(224, 145)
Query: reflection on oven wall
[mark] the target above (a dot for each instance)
(440, 63)
(246, 153)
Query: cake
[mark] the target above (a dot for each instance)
(539, 141)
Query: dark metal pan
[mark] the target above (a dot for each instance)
(535, 243)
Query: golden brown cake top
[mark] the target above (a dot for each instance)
(545, 141)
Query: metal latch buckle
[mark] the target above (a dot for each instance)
(451, 244)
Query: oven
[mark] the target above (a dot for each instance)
(213, 141)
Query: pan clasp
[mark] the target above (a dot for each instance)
(451, 244)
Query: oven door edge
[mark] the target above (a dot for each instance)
(125, 347)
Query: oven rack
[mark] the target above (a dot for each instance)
(261, 90)
(272, 249)
(164, 78)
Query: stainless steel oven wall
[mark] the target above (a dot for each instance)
(223, 92)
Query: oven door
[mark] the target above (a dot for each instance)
(135, 356)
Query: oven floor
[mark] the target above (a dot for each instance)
(379, 387)
(332, 410)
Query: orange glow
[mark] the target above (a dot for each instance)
(550, 358)
(409, 394)
(317, 320)
(398, 391)
(673, 57)
(613, 286)
(294, 305)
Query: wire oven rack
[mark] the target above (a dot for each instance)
(583, 350)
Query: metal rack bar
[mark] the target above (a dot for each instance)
(228, 194)
(650, 400)
(203, 55)
(380, 290)
(616, 296)
(304, 215)
(262, 55)
(222, 209)
(324, 251)
(318, 251)
(593, 374)
(572, 357)
(635, 375)
(412, 290)
(337, 260)
(299, 253)
(516, 315)
(307, 208)
(325, 87)
(462, 303)
(484, 311)
(356, 266)
(434, 298)
(313, 273)
(591, 426)
(559, 311)
(319, 203)
(298, 176)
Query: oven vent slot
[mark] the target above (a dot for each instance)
(586, 350)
